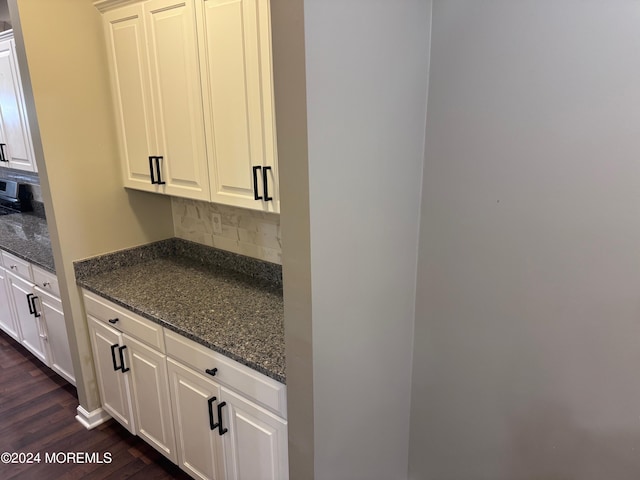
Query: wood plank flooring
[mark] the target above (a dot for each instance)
(37, 415)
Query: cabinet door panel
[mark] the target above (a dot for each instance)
(56, 336)
(30, 327)
(171, 35)
(13, 120)
(152, 404)
(199, 448)
(113, 384)
(7, 322)
(256, 442)
(127, 55)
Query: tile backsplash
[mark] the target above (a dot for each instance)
(247, 232)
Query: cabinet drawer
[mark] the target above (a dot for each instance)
(46, 281)
(246, 381)
(17, 266)
(124, 320)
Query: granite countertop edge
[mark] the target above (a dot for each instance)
(271, 273)
(184, 333)
(29, 259)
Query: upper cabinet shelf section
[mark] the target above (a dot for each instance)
(193, 92)
(16, 148)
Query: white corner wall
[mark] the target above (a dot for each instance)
(527, 342)
(366, 74)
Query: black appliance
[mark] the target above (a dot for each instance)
(14, 197)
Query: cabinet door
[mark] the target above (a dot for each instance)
(151, 400)
(13, 121)
(112, 382)
(56, 335)
(31, 332)
(7, 322)
(175, 73)
(131, 87)
(194, 401)
(255, 444)
(236, 78)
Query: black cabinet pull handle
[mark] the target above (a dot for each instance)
(159, 182)
(212, 424)
(113, 321)
(221, 430)
(36, 313)
(113, 357)
(211, 371)
(265, 184)
(122, 367)
(255, 182)
(153, 180)
(3, 158)
(29, 295)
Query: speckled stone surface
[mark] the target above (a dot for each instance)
(224, 301)
(25, 235)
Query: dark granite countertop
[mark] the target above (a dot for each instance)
(227, 302)
(25, 235)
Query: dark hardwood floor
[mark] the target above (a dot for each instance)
(37, 415)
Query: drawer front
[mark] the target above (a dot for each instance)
(17, 266)
(46, 281)
(246, 381)
(125, 321)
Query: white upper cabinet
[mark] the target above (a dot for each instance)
(193, 92)
(237, 87)
(154, 67)
(16, 149)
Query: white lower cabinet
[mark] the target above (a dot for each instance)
(215, 418)
(7, 322)
(28, 319)
(112, 383)
(56, 341)
(255, 443)
(200, 451)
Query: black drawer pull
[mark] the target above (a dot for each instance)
(113, 321)
(221, 430)
(265, 184)
(113, 357)
(153, 180)
(36, 313)
(255, 183)
(212, 424)
(211, 371)
(3, 157)
(159, 182)
(122, 367)
(31, 308)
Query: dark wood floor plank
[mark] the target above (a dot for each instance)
(37, 415)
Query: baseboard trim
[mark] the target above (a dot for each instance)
(91, 419)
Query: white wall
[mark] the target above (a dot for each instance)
(366, 73)
(528, 314)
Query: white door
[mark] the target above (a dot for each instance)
(131, 87)
(237, 87)
(195, 401)
(56, 335)
(113, 383)
(7, 322)
(27, 316)
(255, 443)
(173, 59)
(151, 399)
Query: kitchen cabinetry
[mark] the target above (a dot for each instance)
(7, 322)
(227, 421)
(155, 78)
(35, 316)
(132, 375)
(16, 149)
(192, 83)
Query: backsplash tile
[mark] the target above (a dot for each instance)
(247, 232)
